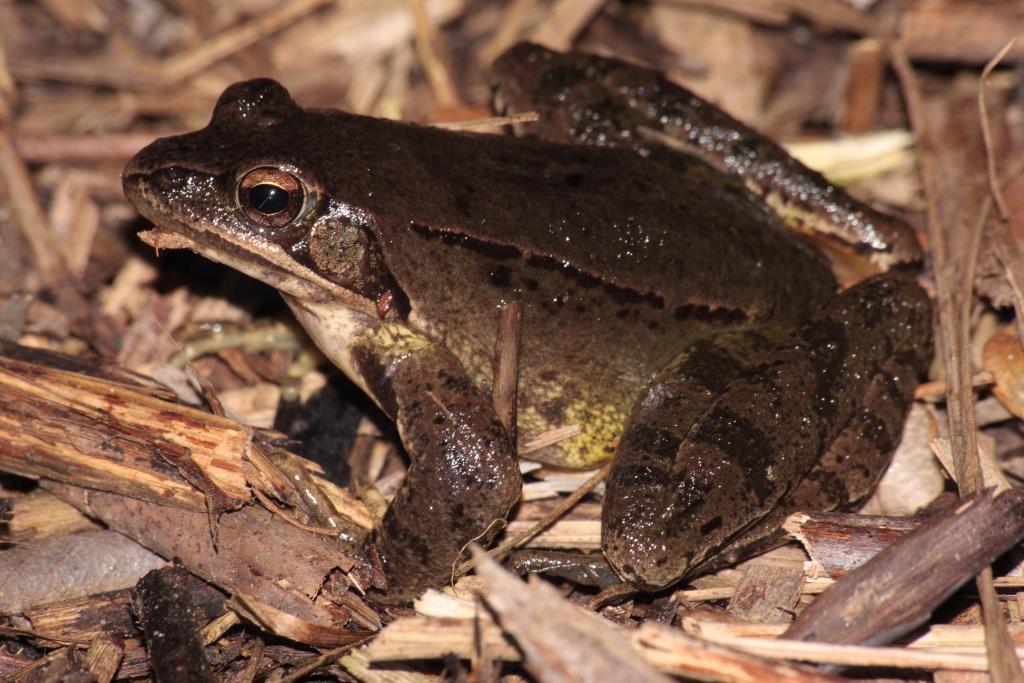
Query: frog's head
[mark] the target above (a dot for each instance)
(240, 192)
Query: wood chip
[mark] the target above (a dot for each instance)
(767, 594)
(900, 587)
(560, 643)
(171, 625)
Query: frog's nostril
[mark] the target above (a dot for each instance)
(132, 168)
(131, 183)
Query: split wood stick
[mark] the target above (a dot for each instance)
(506, 371)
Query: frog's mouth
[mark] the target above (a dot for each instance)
(252, 264)
(216, 239)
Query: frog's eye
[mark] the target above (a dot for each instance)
(270, 197)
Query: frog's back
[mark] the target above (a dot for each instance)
(609, 213)
(602, 211)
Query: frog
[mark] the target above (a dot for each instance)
(669, 316)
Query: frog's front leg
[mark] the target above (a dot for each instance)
(670, 508)
(463, 474)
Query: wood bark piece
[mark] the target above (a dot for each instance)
(865, 68)
(767, 594)
(88, 431)
(269, 562)
(110, 432)
(898, 589)
(956, 31)
(936, 637)
(168, 617)
(39, 515)
(69, 567)
(356, 664)
(81, 619)
(579, 530)
(58, 665)
(431, 637)
(952, 156)
(859, 656)
(416, 638)
(135, 662)
(506, 367)
(560, 642)
(103, 658)
(843, 541)
(961, 677)
(691, 657)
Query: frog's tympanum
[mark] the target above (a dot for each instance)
(668, 310)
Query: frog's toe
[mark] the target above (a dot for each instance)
(645, 564)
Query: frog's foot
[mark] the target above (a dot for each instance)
(582, 569)
(673, 501)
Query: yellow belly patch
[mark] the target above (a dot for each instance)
(600, 425)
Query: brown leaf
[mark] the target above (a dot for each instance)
(1004, 358)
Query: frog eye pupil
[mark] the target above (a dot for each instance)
(268, 198)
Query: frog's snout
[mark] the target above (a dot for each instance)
(133, 182)
(146, 159)
(138, 187)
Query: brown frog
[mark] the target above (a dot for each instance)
(666, 308)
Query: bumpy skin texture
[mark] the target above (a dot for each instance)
(848, 471)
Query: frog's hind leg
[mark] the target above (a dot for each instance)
(674, 501)
(639, 492)
(848, 471)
